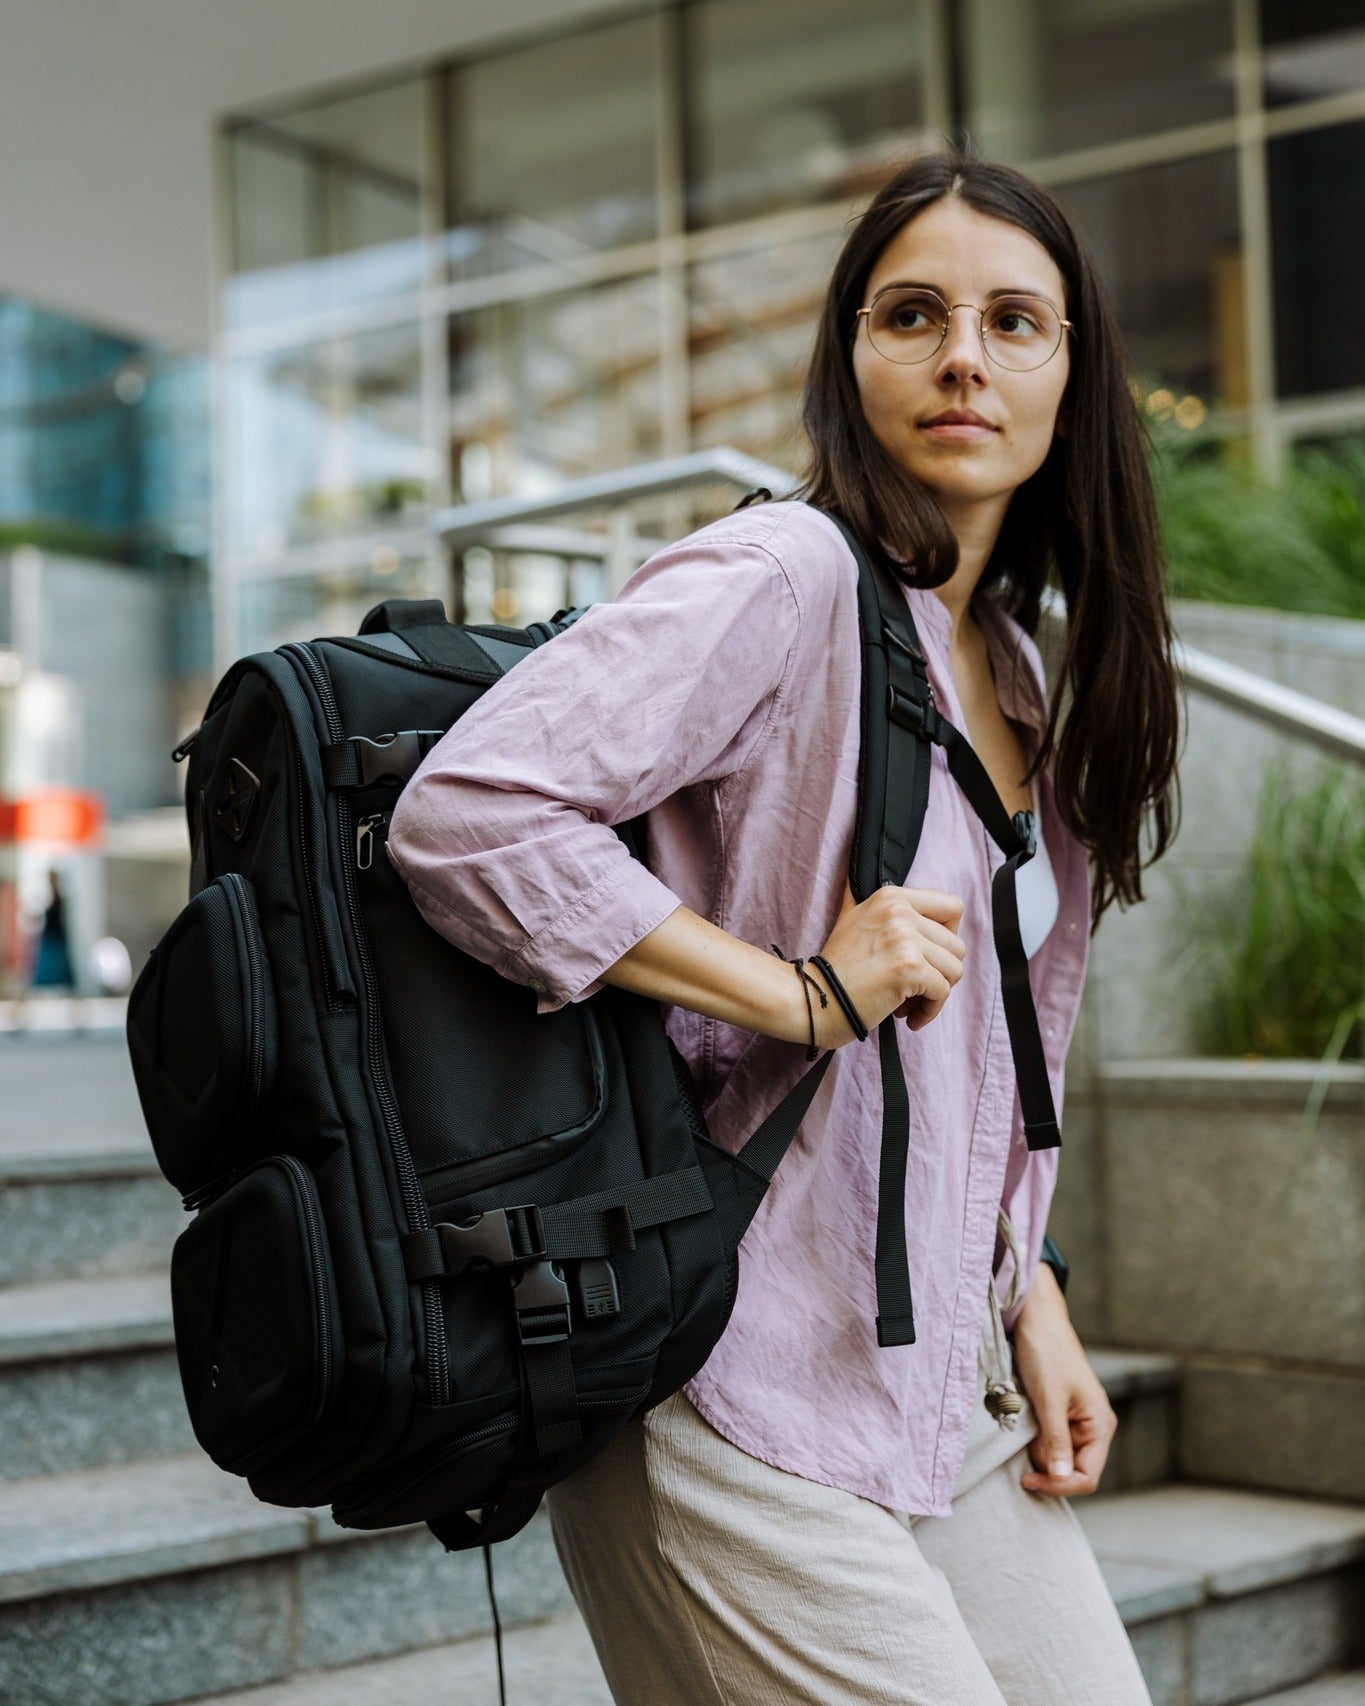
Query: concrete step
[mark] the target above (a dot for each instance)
(1144, 1388)
(1346, 1688)
(81, 1204)
(88, 1376)
(1229, 1595)
(551, 1662)
(148, 1583)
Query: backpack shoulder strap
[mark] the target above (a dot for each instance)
(894, 759)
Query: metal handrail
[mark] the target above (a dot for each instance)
(1254, 696)
(470, 524)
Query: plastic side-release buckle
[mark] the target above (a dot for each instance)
(392, 758)
(541, 1299)
(499, 1237)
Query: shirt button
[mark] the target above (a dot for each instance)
(1051, 1032)
(539, 987)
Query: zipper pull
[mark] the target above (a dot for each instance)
(185, 748)
(364, 839)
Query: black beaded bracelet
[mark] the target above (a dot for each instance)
(807, 983)
(841, 995)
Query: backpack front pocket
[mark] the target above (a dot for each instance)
(202, 1034)
(257, 1324)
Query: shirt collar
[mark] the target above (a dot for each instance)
(1019, 690)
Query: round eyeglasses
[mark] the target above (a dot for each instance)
(1017, 332)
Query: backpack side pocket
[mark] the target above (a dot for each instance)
(257, 1322)
(203, 1033)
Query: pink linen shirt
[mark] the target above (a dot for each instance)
(719, 692)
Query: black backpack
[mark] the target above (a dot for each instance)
(444, 1246)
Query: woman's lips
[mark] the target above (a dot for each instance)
(956, 429)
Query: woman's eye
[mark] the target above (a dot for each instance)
(1016, 323)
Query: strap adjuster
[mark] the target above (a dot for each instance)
(921, 718)
(499, 1237)
(542, 1304)
(1026, 828)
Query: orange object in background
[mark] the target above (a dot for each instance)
(64, 816)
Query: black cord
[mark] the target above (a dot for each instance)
(807, 984)
(841, 995)
(497, 1623)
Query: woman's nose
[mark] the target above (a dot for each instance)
(961, 355)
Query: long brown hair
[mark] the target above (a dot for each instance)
(1088, 514)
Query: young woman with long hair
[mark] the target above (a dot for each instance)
(817, 1518)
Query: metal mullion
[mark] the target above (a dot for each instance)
(1253, 197)
(224, 590)
(433, 343)
(675, 375)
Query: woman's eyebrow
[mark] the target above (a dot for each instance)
(938, 290)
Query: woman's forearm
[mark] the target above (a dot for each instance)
(689, 962)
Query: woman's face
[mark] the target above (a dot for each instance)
(964, 255)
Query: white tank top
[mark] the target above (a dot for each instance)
(1035, 884)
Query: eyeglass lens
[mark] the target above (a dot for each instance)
(1019, 332)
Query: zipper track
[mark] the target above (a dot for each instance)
(301, 796)
(239, 889)
(317, 1251)
(414, 1203)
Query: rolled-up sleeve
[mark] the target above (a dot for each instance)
(504, 836)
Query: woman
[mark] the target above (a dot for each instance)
(817, 1519)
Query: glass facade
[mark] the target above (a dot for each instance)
(505, 271)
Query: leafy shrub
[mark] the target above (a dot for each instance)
(1234, 537)
(1281, 958)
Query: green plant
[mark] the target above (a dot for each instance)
(1280, 958)
(1234, 537)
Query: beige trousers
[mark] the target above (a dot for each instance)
(708, 1578)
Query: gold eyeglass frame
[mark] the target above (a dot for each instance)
(951, 307)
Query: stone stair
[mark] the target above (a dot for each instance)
(132, 1572)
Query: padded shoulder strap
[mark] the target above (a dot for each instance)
(893, 761)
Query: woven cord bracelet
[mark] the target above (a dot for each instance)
(841, 995)
(807, 984)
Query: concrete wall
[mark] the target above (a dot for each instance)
(1204, 1217)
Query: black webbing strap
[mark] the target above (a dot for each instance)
(765, 1149)
(895, 1311)
(459, 1530)
(551, 1399)
(1016, 837)
(600, 1224)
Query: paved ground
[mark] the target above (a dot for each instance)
(60, 1084)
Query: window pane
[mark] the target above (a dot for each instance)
(796, 101)
(327, 206)
(752, 322)
(1317, 226)
(1048, 75)
(1312, 48)
(325, 441)
(1168, 244)
(554, 150)
(554, 387)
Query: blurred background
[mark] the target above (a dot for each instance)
(287, 291)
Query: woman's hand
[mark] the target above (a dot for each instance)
(895, 952)
(1076, 1423)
